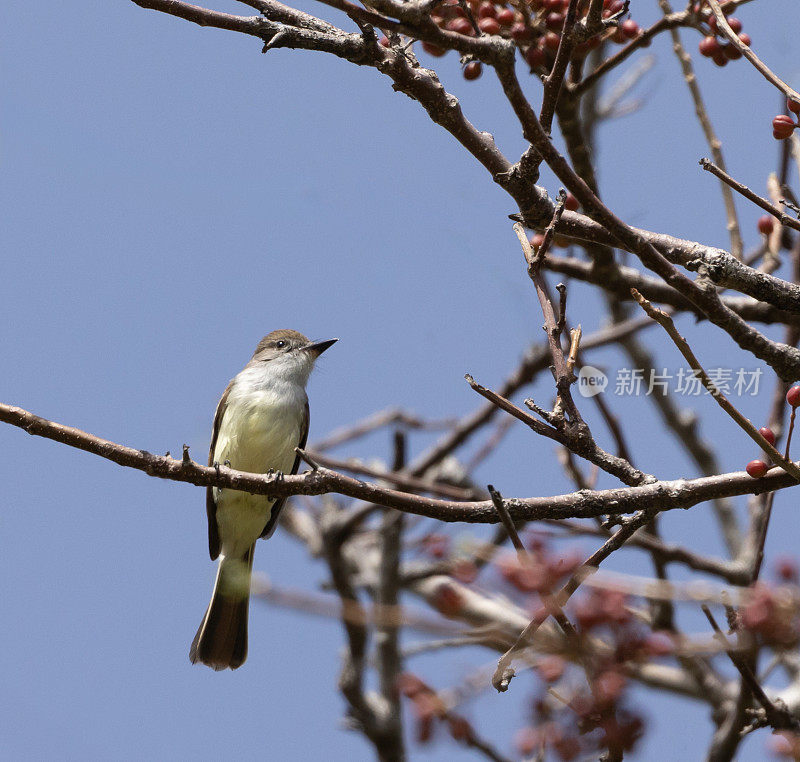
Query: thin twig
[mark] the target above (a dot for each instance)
(663, 319)
(777, 717)
(777, 213)
(554, 80)
(405, 482)
(580, 444)
(388, 417)
(714, 143)
(563, 375)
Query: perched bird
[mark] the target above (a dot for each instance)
(260, 420)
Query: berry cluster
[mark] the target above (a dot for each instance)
(566, 730)
(783, 125)
(714, 45)
(534, 25)
(758, 468)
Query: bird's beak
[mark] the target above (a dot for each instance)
(318, 347)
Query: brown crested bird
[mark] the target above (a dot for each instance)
(260, 421)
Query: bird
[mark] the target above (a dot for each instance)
(260, 423)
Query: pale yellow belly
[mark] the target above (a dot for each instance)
(256, 435)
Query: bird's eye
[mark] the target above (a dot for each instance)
(280, 344)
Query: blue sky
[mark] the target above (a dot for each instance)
(169, 196)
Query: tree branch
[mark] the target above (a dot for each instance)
(658, 496)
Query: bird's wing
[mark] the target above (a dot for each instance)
(277, 506)
(211, 503)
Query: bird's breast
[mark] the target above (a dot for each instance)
(259, 431)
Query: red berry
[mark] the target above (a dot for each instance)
(757, 468)
(505, 17)
(520, 32)
(552, 41)
(535, 56)
(765, 224)
(554, 22)
(708, 46)
(460, 25)
(591, 43)
(629, 28)
(745, 38)
(732, 53)
(489, 25)
(786, 569)
(615, 7)
(447, 600)
(793, 396)
(712, 23)
(487, 10)
(473, 70)
(719, 58)
(571, 203)
(433, 50)
(782, 126)
(384, 41)
(735, 24)
(793, 106)
(768, 434)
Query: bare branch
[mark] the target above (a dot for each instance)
(658, 495)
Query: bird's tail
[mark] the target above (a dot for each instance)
(221, 640)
